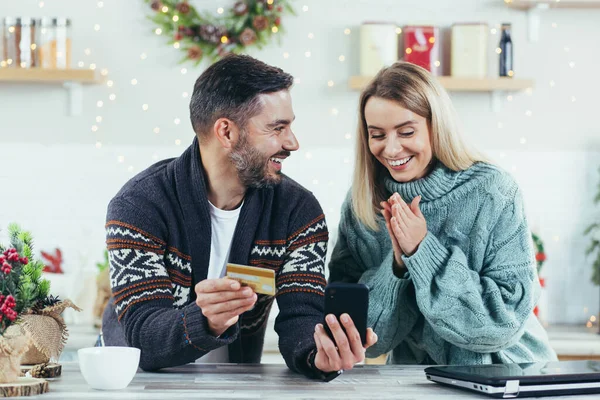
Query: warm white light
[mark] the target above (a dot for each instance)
(99, 103)
(176, 45)
(523, 140)
(307, 54)
(165, 9)
(145, 107)
(96, 27)
(347, 31)
(528, 113)
(398, 31)
(100, 4)
(143, 56)
(158, 31)
(348, 136)
(184, 95)
(311, 35)
(315, 181)
(437, 63)
(593, 318)
(498, 50)
(177, 142)
(286, 55)
(9, 61)
(183, 71)
(274, 29)
(334, 111)
(589, 324)
(80, 64)
(112, 97)
(176, 121)
(98, 119)
(87, 52)
(98, 145)
(94, 128)
(33, 46)
(341, 58)
(156, 130)
(305, 8)
(493, 31)
(175, 18)
(109, 83)
(308, 155)
(2, 64)
(92, 66)
(104, 72)
(134, 82)
(330, 83)
(11, 29)
(220, 10)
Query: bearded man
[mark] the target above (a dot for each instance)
(172, 229)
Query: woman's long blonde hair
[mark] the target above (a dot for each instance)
(415, 89)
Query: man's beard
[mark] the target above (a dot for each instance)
(252, 166)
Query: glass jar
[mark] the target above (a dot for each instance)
(19, 42)
(62, 29)
(46, 43)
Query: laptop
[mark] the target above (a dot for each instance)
(522, 380)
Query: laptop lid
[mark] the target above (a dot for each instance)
(522, 380)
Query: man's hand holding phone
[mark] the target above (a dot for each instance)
(346, 349)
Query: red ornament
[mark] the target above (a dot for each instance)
(277, 21)
(540, 257)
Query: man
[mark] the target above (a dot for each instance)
(172, 229)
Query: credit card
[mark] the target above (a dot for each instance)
(261, 280)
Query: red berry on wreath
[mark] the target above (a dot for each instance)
(277, 21)
(279, 9)
(178, 36)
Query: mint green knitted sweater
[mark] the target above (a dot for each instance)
(471, 286)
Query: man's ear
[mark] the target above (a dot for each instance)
(226, 132)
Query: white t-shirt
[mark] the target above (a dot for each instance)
(223, 223)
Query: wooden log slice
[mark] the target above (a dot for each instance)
(24, 387)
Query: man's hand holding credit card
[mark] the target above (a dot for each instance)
(261, 280)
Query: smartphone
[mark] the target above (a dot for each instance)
(351, 299)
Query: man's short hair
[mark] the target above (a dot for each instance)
(230, 88)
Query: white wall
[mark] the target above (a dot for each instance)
(56, 183)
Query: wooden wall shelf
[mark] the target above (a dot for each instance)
(39, 75)
(528, 4)
(70, 79)
(463, 84)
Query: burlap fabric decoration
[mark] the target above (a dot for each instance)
(48, 333)
(13, 344)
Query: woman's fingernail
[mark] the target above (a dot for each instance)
(330, 319)
(345, 318)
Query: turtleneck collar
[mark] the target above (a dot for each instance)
(439, 182)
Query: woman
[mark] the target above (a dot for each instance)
(437, 234)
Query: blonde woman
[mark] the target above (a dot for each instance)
(438, 234)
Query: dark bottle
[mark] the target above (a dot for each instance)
(506, 52)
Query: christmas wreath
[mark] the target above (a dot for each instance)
(540, 256)
(203, 36)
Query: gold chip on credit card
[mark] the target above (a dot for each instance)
(261, 280)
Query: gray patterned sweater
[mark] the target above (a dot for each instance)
(471, 286)
(158, 238)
